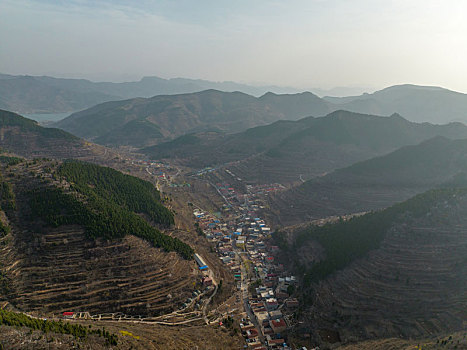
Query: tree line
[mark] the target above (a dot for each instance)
(346, 241)
(100, 217)
(128, 191)
(14, 319)
(10, 160)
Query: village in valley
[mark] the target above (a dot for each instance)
(243, 243)
(263, 305)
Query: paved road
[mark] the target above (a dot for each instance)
(206, 305)
(244, 290)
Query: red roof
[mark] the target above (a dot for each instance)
(252, 333)
(280, 323)
(68, 313)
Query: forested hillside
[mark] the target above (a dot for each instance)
(71, 230)
(177, 115)
(376, 183)
(346, 241)
(131, 192)
(291, 151)
(25, 137)
(106, 205)
(396, 272)
(80, 332)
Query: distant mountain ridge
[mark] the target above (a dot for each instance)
(376, 183)
(287, 151)
(44, 94)
(230, 112)
(176, 115)
(26, 138)
(416, 103)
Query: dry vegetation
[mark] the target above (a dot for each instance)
(60, 269)
(413, 286)
(130, 336)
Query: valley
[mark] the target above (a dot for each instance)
(258, 279)
(232, 175)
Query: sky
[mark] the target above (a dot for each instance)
(297, 43)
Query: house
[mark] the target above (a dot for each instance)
(226, 259)
(201, 263)
(278, 326)
(252, 333)
(68, 315)
(246, 327)
(240, 243)
(275, 315)
(272, 304)
(261, 316)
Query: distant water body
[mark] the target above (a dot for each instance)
(47, 118)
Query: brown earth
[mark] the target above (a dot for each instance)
(59, 269)
(413, 286)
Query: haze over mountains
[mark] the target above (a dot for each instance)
(416, 103)
(287, 151)
(376, 183)
(139, 122)
(354, 162)
(307, 192)
(147, 121)
(44, 94)
(25, 137)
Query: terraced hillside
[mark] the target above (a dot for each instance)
(61, 267)
(457, 340)
(25, 137)
(410, 283)
(375, 183)
(294, 151)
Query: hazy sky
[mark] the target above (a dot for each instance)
(301, 43)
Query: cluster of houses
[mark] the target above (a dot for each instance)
(270, 303)
(243, 238)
